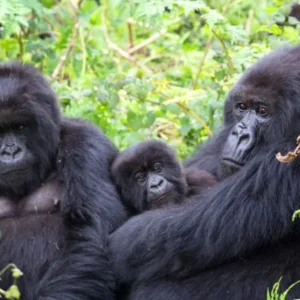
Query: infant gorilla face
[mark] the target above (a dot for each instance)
(152, 179)
(148, 176)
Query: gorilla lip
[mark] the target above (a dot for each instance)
(232, 162)
(14, 171)
(161, 196)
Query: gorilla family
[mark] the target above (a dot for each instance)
(57, 201)
(148, 176)
(239, 239)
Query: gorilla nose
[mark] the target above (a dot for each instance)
(11, 153)
(157, 185)
(242, 134)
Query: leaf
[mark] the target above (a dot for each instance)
(13, 293)
(16, 273)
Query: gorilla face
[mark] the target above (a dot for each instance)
(251, 115)
(148, 176)
(29, 130)
(260, 108)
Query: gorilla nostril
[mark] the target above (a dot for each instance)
(160, 183)
(17, 152)
(245, 136)
(154, 186)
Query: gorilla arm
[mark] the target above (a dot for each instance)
(250, 209)
(91, 209)
(84, 160)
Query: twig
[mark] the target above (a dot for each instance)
(249, 20)
(130, 23)
(83, 48)
(188, 110)
(21, 46)
(197, 118)
(146, 42)
(119, 50)
(207, 47)
(47, 20)
(72, 41)
(229, 60)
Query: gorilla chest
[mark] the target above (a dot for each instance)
(32, 232)
(45, 200)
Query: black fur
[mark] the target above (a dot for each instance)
(239, 239)
(198, 181)
(62, 255)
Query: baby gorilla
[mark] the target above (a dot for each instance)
(148, 176)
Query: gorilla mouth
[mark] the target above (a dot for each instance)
(232, 162)
(161, 197)
(14, 171)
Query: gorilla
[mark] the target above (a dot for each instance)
(239, 239)
(57, 201)
(198, 181)
(148, 176)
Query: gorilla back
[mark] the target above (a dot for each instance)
(239, 239)
(54, 213)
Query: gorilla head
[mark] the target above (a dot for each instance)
(29, 129)
(258, 108)
(149, 176)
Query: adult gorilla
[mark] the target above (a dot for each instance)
(239, 239)
(57, 203)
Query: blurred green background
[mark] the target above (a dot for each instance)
(145, 69)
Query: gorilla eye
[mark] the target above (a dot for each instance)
(21, 128)
(157, 167)
(241, 106)
(140, 176)
(262, 111)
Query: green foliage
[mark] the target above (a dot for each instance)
(173, 87)
(13, 292)
(296, 215)
(274, 294)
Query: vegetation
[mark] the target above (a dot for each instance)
(142, 69)
(275, 294)
(13, 292)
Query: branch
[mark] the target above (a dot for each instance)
(119, 50)
(72, 41)
(188, 110)
(207, 47)
(21, 46)
(130, 23)
(84, 55)
(229, 60)
(144, 43)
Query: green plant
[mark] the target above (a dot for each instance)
(13, 292)
(274, 294)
